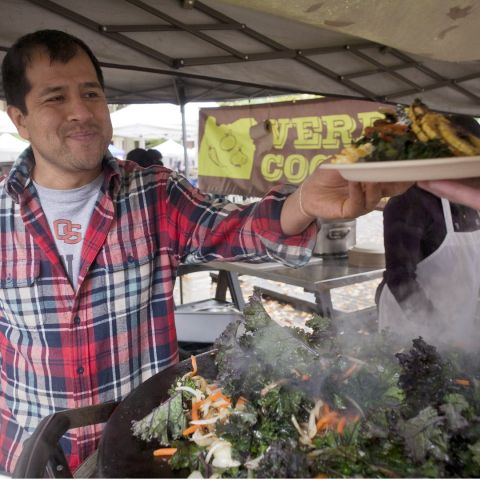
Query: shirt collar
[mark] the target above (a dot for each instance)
(20, 174)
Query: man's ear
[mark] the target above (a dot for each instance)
(18, 118)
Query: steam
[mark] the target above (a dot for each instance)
(444, 310)
(460, 331)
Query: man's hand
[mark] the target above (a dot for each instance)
(325, 194)
(466, 192)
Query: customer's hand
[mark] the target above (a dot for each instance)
(466, 192)
(325, 194)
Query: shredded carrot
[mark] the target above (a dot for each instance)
(195, 410)
(218, 394)
(341, 425)
(462, 381)
(349, 371)
(327, 420)
(225, 398)
(188, 431)
(164, 452)
(241, 401)
(194, 364)
(200, 403)
(325, 409)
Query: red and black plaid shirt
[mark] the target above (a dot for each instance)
(64, 349)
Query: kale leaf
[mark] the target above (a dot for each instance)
(165, 423)
(283, 460)
(425, 379)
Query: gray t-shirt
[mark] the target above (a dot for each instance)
(68, 213)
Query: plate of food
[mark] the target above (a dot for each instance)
(408, 170)
(412, 144)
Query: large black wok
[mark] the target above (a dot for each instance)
(120, 454)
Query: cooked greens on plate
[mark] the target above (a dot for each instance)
(411, 133)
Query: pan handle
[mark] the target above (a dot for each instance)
(41, 456)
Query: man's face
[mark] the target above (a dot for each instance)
(67, 120)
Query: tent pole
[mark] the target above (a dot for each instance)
(180, 93)
(184, 139)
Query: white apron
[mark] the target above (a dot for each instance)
(450, 278)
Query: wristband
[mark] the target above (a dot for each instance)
(300, 203)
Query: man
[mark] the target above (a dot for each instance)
(90, 245)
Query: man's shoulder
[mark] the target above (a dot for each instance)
(135, 177)
(129, 167)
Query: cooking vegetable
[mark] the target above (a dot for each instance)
(290, 403)
(164, 452)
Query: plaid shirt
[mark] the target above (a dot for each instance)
(63, 349)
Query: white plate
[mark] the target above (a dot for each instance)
(408, 170)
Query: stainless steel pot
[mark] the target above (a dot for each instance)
(335, 238)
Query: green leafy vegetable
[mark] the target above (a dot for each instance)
(323, 404)
(165, 423)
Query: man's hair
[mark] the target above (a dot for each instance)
(60, 46)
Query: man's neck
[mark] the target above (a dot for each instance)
(65, 182)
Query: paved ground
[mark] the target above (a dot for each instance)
(198, 286)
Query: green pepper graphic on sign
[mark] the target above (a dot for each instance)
(227, 150)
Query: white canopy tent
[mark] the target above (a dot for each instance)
(10, 148)
(144, 122)
(163, 121)
(172, 153)
(6, 125)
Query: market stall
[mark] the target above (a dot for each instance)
(180, 51)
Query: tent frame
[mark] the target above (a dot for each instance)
(272, 51)
(177, 79)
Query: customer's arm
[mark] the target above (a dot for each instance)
(276, 227)
(325, 194)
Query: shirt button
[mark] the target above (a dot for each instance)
(76, 320)
(80, 370)
(131, 259)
